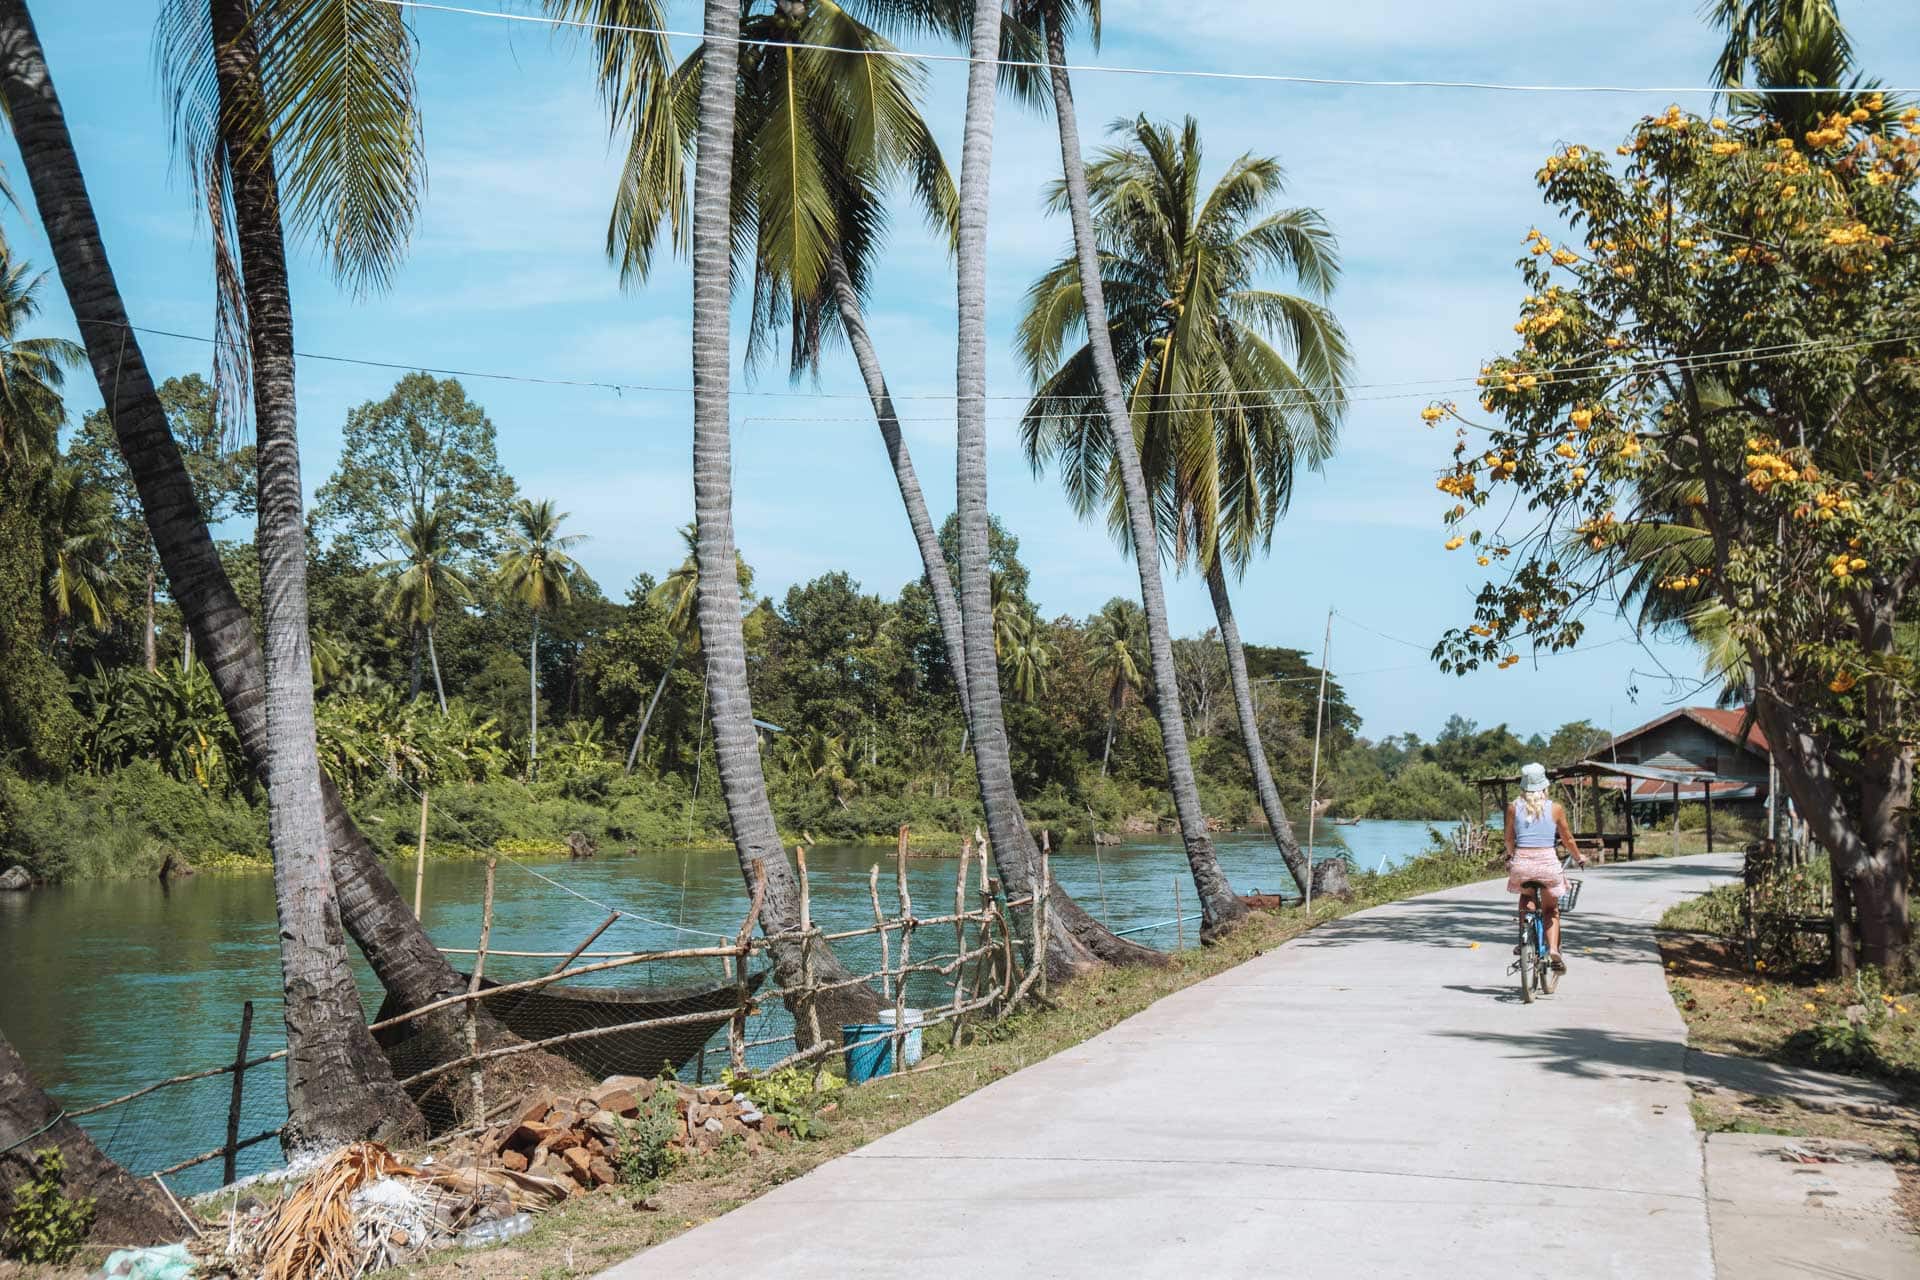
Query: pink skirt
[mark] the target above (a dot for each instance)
(1536, 864)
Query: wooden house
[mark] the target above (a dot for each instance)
(1710, 740)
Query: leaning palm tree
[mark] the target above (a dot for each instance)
(1221, 908)
(424, 575)
(234, 63)
(537, 571)
(381, 922)
(1234, 385)
(1118, 633)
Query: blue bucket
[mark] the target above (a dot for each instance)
(866, 1061)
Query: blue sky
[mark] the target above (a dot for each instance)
(1429, 191)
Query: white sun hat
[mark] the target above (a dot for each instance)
(1533, 778)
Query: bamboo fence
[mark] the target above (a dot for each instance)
(982, 973)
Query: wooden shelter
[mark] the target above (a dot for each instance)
(1603, 778)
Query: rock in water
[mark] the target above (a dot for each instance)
(15, 880)
(1330, 879)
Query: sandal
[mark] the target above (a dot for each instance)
(1559, 965)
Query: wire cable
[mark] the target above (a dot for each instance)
(1240, 77)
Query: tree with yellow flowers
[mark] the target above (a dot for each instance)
(1714, 399)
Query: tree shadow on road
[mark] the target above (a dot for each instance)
(1450, 924)
(1590, 1053)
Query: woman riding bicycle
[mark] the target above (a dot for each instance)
(1536, 826)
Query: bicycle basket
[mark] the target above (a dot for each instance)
(1572, 895)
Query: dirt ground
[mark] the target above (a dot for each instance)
(1781, 1017)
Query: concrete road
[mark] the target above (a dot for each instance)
(1371, 1100)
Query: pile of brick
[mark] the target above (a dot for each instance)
(577, 1140)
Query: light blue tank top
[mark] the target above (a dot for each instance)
(1533, 833)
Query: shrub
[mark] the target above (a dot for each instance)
(47, 1225)
(645, 1149)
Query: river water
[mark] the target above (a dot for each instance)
(109, 985)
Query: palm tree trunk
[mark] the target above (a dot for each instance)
(339, 1085)
(1220, 907)
(131, 1211)
(533, 701)
(1076, 940)
(380, 921)
(413, 680)
(933, 562)
(1106, 752)
(653, 702)
(148, 638)
(1263, 787)
(433, 657)
(756, 840)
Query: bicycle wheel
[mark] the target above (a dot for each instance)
(1549, 977)
(1528, 960)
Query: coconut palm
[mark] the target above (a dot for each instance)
(1118, 633)
(679, 595)
(1234, 385)
(32, 369)
(537, 571)
(241, 73)
(79, 538)
(424, 575)
(1788, 44)
(405, 960)
(1220, 906)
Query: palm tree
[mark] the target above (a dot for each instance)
(1788, 44)
(239, 127)
(424, 575)
(1117, 633)
(79, 537)
(1220, 907)
(1076, 940)
(32, 369)
(405, 960)
(679, 595)
(1234, 385)
(537, 571)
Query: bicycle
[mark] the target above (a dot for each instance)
(1534, 959)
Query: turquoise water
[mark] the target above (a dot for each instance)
(109, 985)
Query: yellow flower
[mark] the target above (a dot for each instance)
(1565, 450)
(1565, 257)
(1748, 990)
(1725, 148)
(1759, 966)
(1581, 418)
(1842, 682)
(1759, 999)
(1856, 564)
(1819, 991)
(1899, 1008)
(1886, 999)
(1579, 475)
(1811, 1007)
(1432, 413)
(1483, 560)
(1455, 542)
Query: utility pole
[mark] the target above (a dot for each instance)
(1313, 787)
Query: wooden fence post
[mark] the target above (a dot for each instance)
(806, 949)
(420, 859)
(228, 1171)
(477, 1076)
(906, 950)
(737, 1029)
(880, 927)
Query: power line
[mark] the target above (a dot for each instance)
(1336, 82)
(1281, 397)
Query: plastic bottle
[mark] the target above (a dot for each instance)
(495, 1231)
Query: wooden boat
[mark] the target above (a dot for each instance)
(545, 1012)
(1345, 822)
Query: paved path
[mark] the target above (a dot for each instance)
(1371, 1100)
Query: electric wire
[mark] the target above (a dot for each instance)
(1256, 77)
